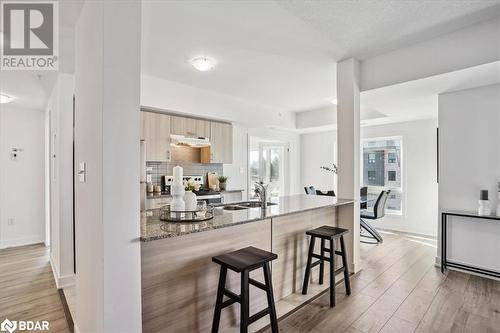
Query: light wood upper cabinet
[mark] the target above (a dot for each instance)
(155, 130)
(203, 128)
(190, 127)
(221, 139)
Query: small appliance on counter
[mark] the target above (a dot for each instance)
(213, 180)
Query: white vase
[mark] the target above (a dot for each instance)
(190, 201)
(177, 204)
(484, 208)
(498, 203)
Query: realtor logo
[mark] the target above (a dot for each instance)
(24, 325)
(8, 326)
(30, 38)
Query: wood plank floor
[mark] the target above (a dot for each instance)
(27, 287)
(400, 290)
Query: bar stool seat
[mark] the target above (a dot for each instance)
(244, 261)
(331, 234)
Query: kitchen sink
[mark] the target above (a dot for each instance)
(233, 207)
(245, 205)
(252, 204)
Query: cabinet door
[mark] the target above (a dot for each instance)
(163, 138)
(221, 139)
(156, 133)
(183, 126)
(203, 128)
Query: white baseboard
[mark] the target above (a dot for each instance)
(62, 281)
(437, 261)
(5, 243)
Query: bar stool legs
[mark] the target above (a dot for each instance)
(244, 261)
(347, 280)
(330, 234)
(322, 263)
(245, 303)
(332, 273)
(220, 297)
(308, 266)
(270, 298)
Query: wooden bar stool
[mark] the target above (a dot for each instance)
(244, 261)
(331, 234)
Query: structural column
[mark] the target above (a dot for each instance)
(107, 97)
(348, 142)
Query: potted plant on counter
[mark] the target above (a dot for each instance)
(222, 182)
(190, 197)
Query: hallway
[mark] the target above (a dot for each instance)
(27, 287)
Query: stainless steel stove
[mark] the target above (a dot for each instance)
(205, 194)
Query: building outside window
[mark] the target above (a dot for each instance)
(382, 170)
(391, 157)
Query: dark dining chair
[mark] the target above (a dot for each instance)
(310, 190)
(363, 198)
(378, 213)
(330, 193)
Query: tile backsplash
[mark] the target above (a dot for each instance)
(190, 169)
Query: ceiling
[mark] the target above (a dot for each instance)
(365, 28)
(282, 54)
(419, 99)
(32, 89)
(264, 54)
(413, 100)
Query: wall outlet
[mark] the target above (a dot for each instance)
(11, 221)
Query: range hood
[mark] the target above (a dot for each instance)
(187, 141)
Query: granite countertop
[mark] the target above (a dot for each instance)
(153, 228)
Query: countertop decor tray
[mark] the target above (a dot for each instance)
(201, 214)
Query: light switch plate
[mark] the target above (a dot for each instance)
(82, 172)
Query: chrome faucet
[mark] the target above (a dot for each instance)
(261, 192)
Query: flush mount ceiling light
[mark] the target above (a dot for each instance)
(5, 99)
(203, 64)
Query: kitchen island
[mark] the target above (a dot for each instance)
(179, 280)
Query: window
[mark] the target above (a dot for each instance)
(391, 157)
(267, 162)
(382, 170)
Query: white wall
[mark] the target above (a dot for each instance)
(60, 111)
(174, 96)
(469, 135)
(107, 90)
(439, 55)
(318, 149)
(22, 191)
(419, 171)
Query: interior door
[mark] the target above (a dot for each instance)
(269, 164)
